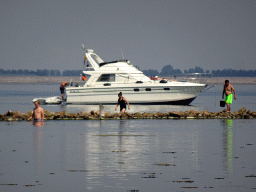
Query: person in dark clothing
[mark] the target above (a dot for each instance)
(122, 102)
(62, 88)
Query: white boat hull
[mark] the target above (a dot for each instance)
(180, 95)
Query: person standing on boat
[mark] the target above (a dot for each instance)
(227, 90)
(38, 113)
(122, 102)
(62, 88)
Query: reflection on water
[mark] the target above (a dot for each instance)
(114, 150)
(126, 155)
(38, 148)
(133, 109)
(228, 143)
(107, 152)
(38, 123)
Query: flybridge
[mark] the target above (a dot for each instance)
(97, 62)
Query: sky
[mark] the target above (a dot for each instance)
(48, 34)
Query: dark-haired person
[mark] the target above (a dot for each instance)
(62, 88)
(228, 89)
(38, 113)
(122, 102)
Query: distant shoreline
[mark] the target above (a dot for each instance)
(75, 79)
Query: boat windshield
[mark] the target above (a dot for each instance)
(102, 64)
(96, 58)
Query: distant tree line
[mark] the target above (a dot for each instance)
(39, 72)
(167, 70)
(233, 73)
(72, 72)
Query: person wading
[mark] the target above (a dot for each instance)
(122, 102)
(38, 113)
(62, 88)
(227, 90)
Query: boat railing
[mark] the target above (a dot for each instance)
(191, 77)
(128, 78)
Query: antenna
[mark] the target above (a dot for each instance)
(122, 54)
(83, 47)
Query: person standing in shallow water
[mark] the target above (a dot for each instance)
(38, 113)
(227, 90)
(122, 102)
(62, 88)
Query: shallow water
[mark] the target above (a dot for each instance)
(18, 97)
(128, 155)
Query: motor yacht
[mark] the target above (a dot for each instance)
(107, 79)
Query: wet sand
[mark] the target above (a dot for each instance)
(75, 79)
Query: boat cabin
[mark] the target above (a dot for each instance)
(109, 73)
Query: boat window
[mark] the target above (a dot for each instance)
(166, 89)
(136, 90)
(106, 78)
(107, 84)
(148, 89)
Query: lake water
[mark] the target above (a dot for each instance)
(19, 98)
(127, 155)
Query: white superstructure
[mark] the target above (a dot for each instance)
(107, 79)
